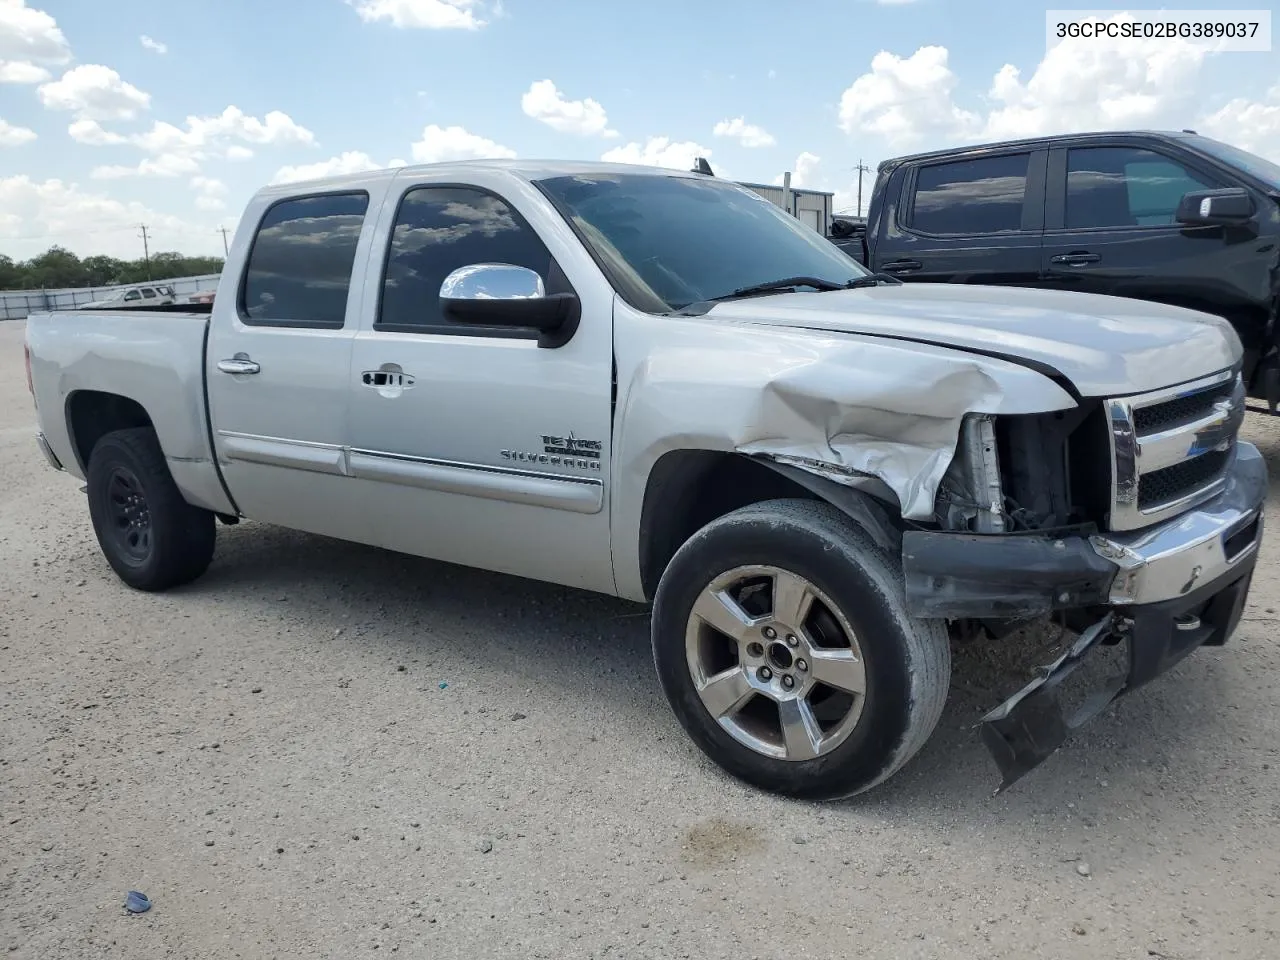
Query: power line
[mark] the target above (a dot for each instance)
(225, 248)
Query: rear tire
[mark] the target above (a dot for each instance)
(150, 535)
(777, 703)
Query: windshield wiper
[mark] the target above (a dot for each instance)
(873, 280)
(787, 283)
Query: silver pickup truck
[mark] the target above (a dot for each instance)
(659, 386)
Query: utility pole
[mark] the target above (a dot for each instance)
(225, 248)
(146, 249)
(861, 168)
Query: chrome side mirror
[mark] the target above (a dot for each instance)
(505, 295)
(492, 281)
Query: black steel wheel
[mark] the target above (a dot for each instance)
(150, 535)
(130, 516)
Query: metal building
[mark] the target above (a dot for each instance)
(811, 207)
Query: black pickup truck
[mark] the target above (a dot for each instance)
(1173, 217)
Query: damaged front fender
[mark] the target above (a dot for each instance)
(849, 408)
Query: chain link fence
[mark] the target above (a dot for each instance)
(19, 304)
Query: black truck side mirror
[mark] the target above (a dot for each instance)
(1232, 206)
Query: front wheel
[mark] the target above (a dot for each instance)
(150, 535)
(782, 642)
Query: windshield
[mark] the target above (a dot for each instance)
(1250, 163)
(668, 242)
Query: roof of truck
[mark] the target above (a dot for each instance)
(1036, 141)
(525, 169)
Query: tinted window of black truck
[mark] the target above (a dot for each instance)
(967, 197)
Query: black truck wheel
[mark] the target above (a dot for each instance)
(782, 641)
(150, 535)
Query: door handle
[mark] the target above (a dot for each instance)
(381, 379)
(1075, 259)
(901, 266)
(239, 364)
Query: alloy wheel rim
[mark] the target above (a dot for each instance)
(776, 663)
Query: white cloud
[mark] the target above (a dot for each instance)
(543, 102)
(11, 136)
(1082, 85)
(96, 92)
(22, 71)
(92, 133)
(209, 193)
(208, 185)
(1077, 85)
(906, 99)
(421, 14)
(155, 46)
(165, 165)
(658, 152)
(237, 152)
(275, 128)
(1250, 125)
(38, 214)
(747, 134)
(28, 34)
(353, 161)
(440, 144)
(804, 171)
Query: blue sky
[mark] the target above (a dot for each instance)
(95, 134)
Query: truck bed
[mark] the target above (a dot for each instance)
(154, 357)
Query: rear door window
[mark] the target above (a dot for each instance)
(299, 269)
(970, 197)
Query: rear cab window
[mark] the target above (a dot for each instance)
(299, 269)
(978, 196)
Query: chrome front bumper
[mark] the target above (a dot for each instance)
(1198, 548)
(1179, 586)
(47, 450)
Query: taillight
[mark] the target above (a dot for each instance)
(26, 357)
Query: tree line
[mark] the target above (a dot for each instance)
(59, 267)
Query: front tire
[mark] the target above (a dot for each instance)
(150, 535)
(782, 641)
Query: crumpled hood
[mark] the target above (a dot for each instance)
(1106, 346)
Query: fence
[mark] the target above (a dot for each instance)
(18, 304)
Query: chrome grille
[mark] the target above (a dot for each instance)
(1171, 448)
(1180, 410)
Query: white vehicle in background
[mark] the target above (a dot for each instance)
(148, 295)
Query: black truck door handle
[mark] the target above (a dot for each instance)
(901, 266)
(1075, 259)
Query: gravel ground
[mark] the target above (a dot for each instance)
(273, 755)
